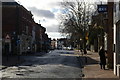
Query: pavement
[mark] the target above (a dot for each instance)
(92, 69)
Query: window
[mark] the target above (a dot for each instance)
(115, 7)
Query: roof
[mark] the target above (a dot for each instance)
(10, 3)
(7, 0)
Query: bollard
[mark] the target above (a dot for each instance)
(86, 59)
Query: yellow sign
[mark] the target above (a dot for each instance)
(86, 37)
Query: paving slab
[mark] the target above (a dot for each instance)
(92, 69)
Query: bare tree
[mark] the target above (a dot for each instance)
(75, 20)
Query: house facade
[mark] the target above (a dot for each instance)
(117, 37)
(20, 33)
(53, 44)
(16, 28)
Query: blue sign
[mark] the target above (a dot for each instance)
(18, 41)
(102, 8)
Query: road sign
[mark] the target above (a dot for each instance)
(102, 8)
(7, 39)
(18, 41)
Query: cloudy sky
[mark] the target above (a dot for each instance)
(45, 12)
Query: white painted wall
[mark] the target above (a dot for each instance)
(116, 34)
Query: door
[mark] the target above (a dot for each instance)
(118, 42)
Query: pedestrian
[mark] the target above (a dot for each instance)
(102, 58)
(85, 52)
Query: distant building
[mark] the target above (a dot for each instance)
(62, 43)
(53, 44)
(39, 36)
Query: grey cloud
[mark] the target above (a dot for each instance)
(52, 28)
(42, 13)
(54, 4)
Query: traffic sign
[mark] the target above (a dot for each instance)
(7, 37)
(102, 8)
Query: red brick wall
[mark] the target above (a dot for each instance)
(25, 19)
(9, 19)
(16, 19)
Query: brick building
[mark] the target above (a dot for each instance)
(40, 37)
(47, 42)
(20, 34)
(18, 26)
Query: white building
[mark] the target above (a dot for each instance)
(117, 38)
(60, 44)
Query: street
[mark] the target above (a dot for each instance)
(60, 39)
(55, 64)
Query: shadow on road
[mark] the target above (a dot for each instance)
(15, 60)
(55, 60)
(52, 60)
